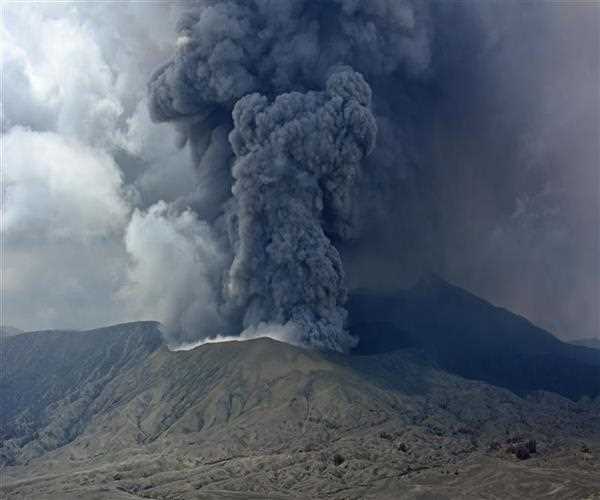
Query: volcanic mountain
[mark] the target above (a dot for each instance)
(593, 343)
(114, 414)
(470, 337)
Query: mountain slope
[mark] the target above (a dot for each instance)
(113, 413)
(9, 331)
(472, 338)
(592, 343)
(50, 379)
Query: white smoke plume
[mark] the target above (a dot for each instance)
(290, 333)
(179, 257)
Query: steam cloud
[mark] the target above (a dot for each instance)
(298, 143)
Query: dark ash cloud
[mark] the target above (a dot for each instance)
(296, 162)
(298, 158)
(485, 167)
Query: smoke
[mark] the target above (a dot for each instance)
(484, 168)
(228, 49)
(75, 158)
(297, 158)
(180, 258)
(298, 142)
(496, 185)
(290, 333)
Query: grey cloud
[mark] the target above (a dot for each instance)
(482, 108)
(297, 158)
(232, 48)
(509, 111)
(287, 51)
(175, 273)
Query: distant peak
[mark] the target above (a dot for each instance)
(431, 281)
(9, 331)
(433, 285)
(130, 325)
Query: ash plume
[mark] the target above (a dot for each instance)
(289, 80)
(484, 169)
(297, 158)
(231, 48)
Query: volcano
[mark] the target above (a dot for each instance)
(470, 337)
(420, 409)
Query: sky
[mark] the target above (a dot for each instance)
(486, 168)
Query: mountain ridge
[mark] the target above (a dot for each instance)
(592, 342)
(470, 337)
(9, 331)
(260, 417)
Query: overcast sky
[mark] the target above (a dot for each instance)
(508, 205)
